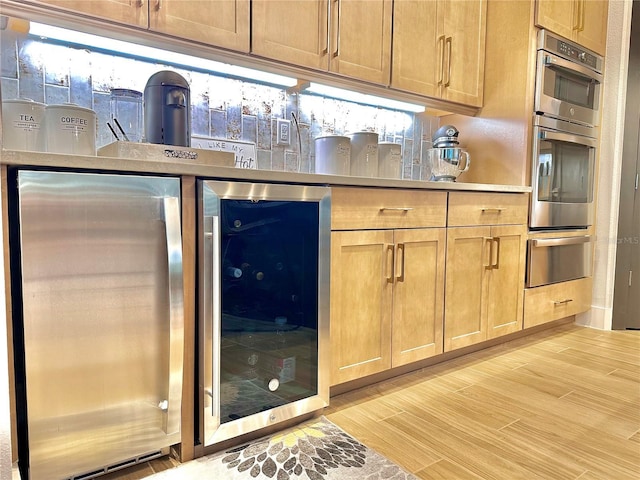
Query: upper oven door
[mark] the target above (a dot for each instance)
(567, 90)
(562, 179)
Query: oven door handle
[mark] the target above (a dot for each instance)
(552, 60)
(555, 242)
(567, 137)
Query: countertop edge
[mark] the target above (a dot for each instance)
(171, 167)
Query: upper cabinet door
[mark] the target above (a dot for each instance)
(222, 23)
(559, 16)
(464, 28)
(130, 12)
(293, 32)
(583, 21)
(361, 39)
(417, 48)
(592, 31)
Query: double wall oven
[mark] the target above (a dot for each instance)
(565, 152)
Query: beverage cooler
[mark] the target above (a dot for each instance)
(96, 263)
(263, 305)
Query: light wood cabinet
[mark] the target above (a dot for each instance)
(439, 47)
(387, 279)
(361, 296)
(129, 12)
(484, 283)
(583, 21)
(387, 290)
(223, 23)
(348, 37)
(485, 266)
(552, 302)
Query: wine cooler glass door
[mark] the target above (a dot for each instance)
(263, 295)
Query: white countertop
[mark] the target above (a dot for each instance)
(201, 169)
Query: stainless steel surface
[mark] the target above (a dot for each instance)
(187, 167)
(568, 80)
(552, 260)
(548, 207)
(210, 194)
(101, 262)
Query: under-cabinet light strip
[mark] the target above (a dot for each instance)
(351, 96)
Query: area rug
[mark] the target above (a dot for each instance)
(314, 450)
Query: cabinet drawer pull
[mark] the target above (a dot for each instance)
(328, 12)
(496, 265)
(558, 303)
(492, 210)
(396, 209)
(158, 4)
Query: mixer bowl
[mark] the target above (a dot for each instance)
(445, 164)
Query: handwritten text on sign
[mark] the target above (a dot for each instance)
(245, 152)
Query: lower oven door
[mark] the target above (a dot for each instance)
(562, 179)
(552, 260)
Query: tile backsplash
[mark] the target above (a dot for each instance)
(221, 107)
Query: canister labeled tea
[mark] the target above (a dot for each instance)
(23, 125)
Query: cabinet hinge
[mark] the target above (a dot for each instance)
(630, 277)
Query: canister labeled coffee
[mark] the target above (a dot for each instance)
(70, 129)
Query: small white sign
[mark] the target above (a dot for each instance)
(245, 152)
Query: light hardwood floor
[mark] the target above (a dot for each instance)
(561, 404)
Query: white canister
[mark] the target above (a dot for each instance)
(390, 160)
(23, 125)
(70, 129)
(364, 154)
(333, 154)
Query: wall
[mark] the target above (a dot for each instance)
(223, 108)
(614, 98)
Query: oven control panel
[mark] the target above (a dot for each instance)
(576, 54)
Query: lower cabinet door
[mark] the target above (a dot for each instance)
(361, 296)
(468, 266)
(506, 280)
(418, 295)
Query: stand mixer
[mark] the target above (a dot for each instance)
(445, 161)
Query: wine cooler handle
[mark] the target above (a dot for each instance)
(172, 403)
(214, 321)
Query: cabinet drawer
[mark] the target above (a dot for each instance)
(470, 208)
(373, 208)
(555, 301)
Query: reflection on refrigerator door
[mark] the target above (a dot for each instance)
(102, 320)
(264, 302)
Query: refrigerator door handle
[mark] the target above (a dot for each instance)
(172, 404)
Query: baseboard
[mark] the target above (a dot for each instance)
(597, 317)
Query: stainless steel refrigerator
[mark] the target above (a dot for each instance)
(100, 312)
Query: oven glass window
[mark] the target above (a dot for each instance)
(269, 328)
(565, 172)
(571, 88)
